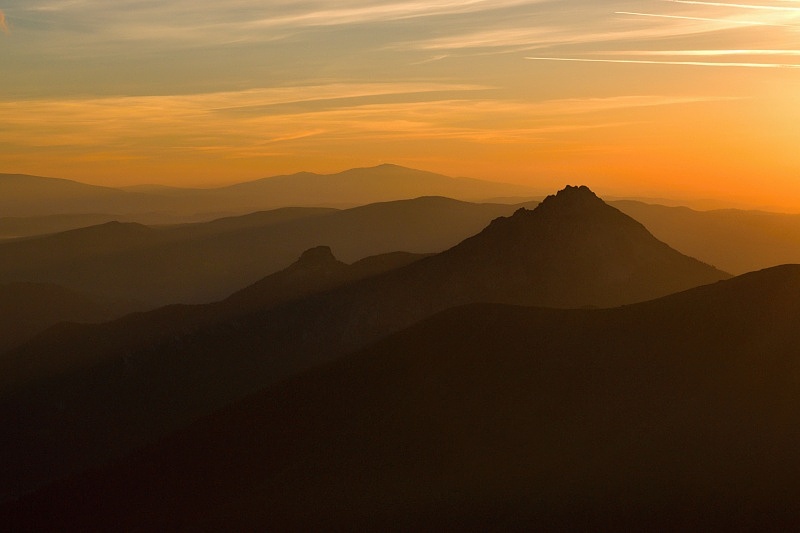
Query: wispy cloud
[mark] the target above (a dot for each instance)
(136, 126)
(597, 26)
(3, 24)
(707, 53)
(686, 63)
(703, 19)
(249, 19)
(737, 6)
(377, 11)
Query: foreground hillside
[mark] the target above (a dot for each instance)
(676, 413)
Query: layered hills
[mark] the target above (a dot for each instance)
(736, 241)
(196, 263)
(79, 393)
(25, 196)
(27, 309)
(678, 413)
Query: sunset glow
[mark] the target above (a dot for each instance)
(666, 98)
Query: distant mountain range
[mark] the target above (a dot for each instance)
(28, 196)
(78, 394)
(736, 241)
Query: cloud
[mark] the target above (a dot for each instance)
(3, 25)
(705, 19)
(708, 53)
(134, 126)
(737, 6)
(653, 62)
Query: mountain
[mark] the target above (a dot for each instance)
(15, 227)
(26, 196)
(572, 250)
(80, 393)
(736, 241)
(27, 309)
(196, 263)
(673, 414)
(368, 185)
(86, 392)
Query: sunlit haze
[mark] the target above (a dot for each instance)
(678, 99)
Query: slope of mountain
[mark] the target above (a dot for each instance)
(572, 250)
(674, 414)
(75, 390)
(734, 240)
(204, 262)
(22, 196)
(27, 309)
(15, 227)
(83, 393)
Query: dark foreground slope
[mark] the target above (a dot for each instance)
(677, 413)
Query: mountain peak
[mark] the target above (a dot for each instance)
(319, 255)
(574, 196)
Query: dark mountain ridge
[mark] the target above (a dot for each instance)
(572, 250)
(121, 380)
(199, 263)
(678, 413)
(79, 394)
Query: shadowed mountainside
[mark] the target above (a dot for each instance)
(24, 196)
(203, 262)
(27, 309)
(85, 387)
(80, 394)
(679, 413)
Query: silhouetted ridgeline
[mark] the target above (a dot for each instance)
(199, 263)
(676, 414)
(78, 393)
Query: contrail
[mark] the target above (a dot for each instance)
(646, 62)
(702, 19)
(740, 6)
(708, 53)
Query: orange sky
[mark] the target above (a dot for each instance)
(683, 99)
